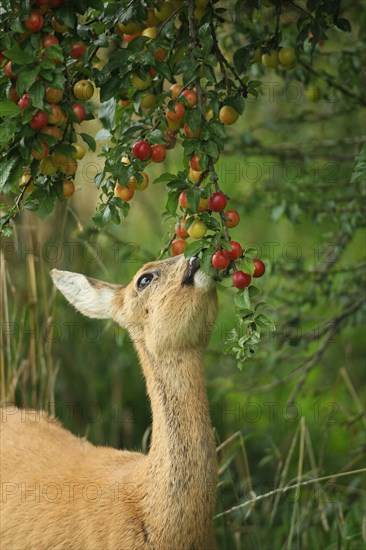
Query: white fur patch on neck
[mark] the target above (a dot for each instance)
(201, 280)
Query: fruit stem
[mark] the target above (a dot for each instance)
(201, 178)
(166, 247)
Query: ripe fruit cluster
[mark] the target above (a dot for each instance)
(223, 258)
(49, 131)
(143, 152)
(125, 192)
(180, 108)
(192, 225)
(180, 101)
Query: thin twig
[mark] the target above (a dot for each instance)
(223, 62)
(166, 247)
(328, 340)
(332, 83)
(289, 488)
(336, 321)
(356, 399)
(16, 208)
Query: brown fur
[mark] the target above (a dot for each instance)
(61, 492)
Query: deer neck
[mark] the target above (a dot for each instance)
(182, 466)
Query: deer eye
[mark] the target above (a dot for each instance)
(144, 281)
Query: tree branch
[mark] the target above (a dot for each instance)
(333, 327)
(333, 83)
(193, 44)
(223, 62)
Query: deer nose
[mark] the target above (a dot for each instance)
(193, 266)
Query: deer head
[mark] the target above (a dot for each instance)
(169, 304)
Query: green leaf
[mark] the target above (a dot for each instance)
(237, 103)
(123, 206)
(242, 58)
(211, 60)
(31, 205)
(19, 57)
(55, 52)
(109, 88)
(194, 248)
(206, 39)
(5, 229)
(190, 71)
(9, 108)
(114, 214)
(254, 291)
(209, 73)
(343, 24)
(117, 59)
(67, 14)
(98, 178)
(96, 4)
(156, 136)
(46, 74)
(7, 166)
(216, 128)
(242, 299)
(177, 185)
(211, 149)
(172, 202)
(244, 312)
(107, 112)
(89, 140)
(190, 146)
(46, 206)
(27, 78)
(193, 198)
(107, 215)
(8, 128)
(165, 178)
(206, 264)
(250, 250)
(98, 219)
(163, 69)
(264, 321)
(36, 94)
(193, 119)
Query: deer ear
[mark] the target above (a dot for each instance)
(91, 297)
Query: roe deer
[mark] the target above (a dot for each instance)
(62, 492)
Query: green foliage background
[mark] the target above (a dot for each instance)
(295, 412)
